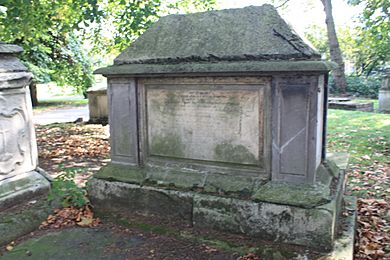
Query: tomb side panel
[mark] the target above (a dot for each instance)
(294, 129)
(123, 121)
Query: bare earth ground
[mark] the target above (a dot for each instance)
(86, 148)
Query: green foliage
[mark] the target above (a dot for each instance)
(373, 38)
(366, 45)
(64, 188)
(129, 19)
(317, 36)
(46, 30)
(55, 34)
(359, 86)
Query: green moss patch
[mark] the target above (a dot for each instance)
(126, 174)
(300, 195)
(234, 153)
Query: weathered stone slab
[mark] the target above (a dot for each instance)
(309, 227)
(258, 33)
(231, 184)
(314, 227)
(301, 195)
(10, 48)
(351, 105)
(113, 172)
(26, 218)
(201, 123)
(19, 188)
(175, 178)
(134, 199)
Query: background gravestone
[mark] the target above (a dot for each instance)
(20, 180)
(384, 95)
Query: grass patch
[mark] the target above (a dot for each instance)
(48, 104)
(366, 137)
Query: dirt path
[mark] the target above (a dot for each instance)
(61, 115)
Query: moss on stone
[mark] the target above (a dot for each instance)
(76, 243)
(234, 67)
(323, 175)
(232, 107)
(234, 153)
(20, 221)
(300, 195)
(170, 103)
(228, 184)
(113, 172)
(258, 33)
(168, 145)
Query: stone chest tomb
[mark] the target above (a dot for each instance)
(218, 119)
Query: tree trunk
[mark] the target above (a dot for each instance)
(33, 93)
(334, 47)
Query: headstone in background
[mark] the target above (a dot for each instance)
(384, 95)
(98, 102)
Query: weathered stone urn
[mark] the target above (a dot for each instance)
(218, 119)
(18, 148)
(21, 183)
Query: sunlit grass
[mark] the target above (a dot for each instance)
(361, 134)
(46, 104)
(366, 137)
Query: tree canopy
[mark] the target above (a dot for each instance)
(63, 40)
(373, 38)
(54, 33)
(47, 32)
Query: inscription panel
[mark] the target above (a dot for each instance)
(220, 123)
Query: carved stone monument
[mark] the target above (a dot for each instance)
(384, 95)
(20, 181)
(218, 120)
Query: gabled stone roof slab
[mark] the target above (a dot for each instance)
(250, 36)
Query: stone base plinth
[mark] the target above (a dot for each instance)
(301, 215)
(23, 204)
(21, 188)
(384, 101)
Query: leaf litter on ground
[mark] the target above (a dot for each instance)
(87, 146)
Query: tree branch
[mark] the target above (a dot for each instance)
(283, 4)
